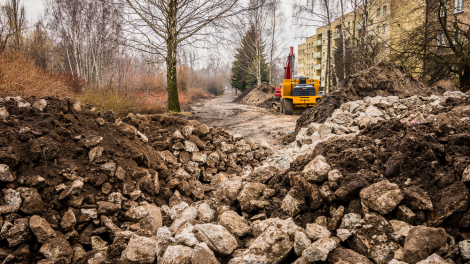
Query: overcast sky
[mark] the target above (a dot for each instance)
(35, 8)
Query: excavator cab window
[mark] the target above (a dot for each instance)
(302, 80)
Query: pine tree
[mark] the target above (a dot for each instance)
(250, 62)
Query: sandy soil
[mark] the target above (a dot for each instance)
(250, 121)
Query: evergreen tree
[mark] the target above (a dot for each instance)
(250, 62)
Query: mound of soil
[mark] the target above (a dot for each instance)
(385, 79)
(261, 96)
(80, 172)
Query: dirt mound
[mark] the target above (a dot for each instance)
(83, 176)
(385, 79)
(260, 96)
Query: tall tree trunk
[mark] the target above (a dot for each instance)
(172, 44)
(465, 80)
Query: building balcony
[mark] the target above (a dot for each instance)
(318, 42)
(317, 55)
(336, 35)
(317, 67)
(359, 26)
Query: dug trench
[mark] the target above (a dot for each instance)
(382, 180)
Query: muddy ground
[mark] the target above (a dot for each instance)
(249, 121)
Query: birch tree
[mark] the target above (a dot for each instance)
(160, 27)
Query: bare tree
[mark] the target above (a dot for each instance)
(161, 27)
(89, 32)
(12, 24)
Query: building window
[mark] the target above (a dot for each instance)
(441, 39)
(458, 6)
(385, 28)
(384, 10)
(379, 29)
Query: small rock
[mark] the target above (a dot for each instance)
(5, 174)
(343, 234)
(234, 223)
(317, 169)
(40, 105)
(319, 250)
(95, 153)
(186, 235)
(32, 202)
(347, 256)
(217, 238)
(140, 250)
(57, 249)
(68, 221)
(13, 199)
(18, 233)
(202, 254)
(74, 188)
(382, 197)
(433, 259)
(205, 213)
(4, 114)
(177, 254)
(301, 242)
(405, 214)
(315, 231)
(109, 168)
(464, 247)
(294, 202)
(41, 228)
(417, 199)
(422, 241)
(98, 244)
(334, 176)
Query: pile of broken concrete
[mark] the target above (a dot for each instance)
(382, 181)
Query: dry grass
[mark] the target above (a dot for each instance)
(19, 76)
(138, 102)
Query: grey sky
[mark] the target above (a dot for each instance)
(34, 8)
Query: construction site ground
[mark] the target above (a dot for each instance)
(249, 121)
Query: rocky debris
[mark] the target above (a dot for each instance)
(216, 237)
(382, 197)
(41, 228)
(422, 241)
(168, 190)
(234, 223)
(384, 79)
(140, 250)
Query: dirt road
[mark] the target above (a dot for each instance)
(250, 121)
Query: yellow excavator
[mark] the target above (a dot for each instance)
(297, 92)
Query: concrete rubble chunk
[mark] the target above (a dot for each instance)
(319, 250)
(4, 114)
(18, 233)
(273, 245)
(234, 223)
(186, 235)
(148, 216)
(301, 242)
(216, 237)
(57, 249)
(13, 199)
(382, 197)
(41, 228)
(317, 169)
(40, 104)
(294, 202)
(417, 199)
(5, 174)
(140, 250)
(202, 254)
(315, 231)
(177, 254)
(433, 259)
(422, 241)
(464, 247)
(205, 213)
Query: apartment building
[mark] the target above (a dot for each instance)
(312, 55)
